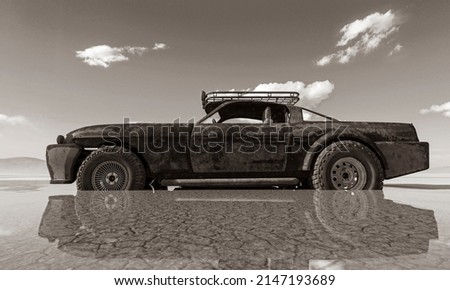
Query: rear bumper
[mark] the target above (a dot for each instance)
(61, 161)
(403, 158)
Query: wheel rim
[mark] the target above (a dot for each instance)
(110, 175)
(348, 173)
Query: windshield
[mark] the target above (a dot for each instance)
(247, 112)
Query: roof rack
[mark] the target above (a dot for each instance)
(286, 98)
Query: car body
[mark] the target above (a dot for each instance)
(245, 139)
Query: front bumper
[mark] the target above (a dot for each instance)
(61, 161)
(404, 157)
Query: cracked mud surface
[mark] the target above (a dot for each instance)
(54, 227)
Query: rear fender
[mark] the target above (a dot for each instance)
(332, 137)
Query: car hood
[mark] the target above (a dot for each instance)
(117, 130)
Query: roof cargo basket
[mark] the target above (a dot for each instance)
(286, 98)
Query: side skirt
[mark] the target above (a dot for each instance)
(232, 182)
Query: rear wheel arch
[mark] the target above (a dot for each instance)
(347, 165)
(318, 146)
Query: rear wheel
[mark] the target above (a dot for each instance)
(110, 168)
(347, 165)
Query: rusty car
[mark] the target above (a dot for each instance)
(246, 139)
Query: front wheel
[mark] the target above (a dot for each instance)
(347, 165)
(111, 168)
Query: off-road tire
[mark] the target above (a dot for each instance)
(124, 168)
(345, 165)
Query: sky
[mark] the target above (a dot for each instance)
(68, 64)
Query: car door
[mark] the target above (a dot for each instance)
(240, 149)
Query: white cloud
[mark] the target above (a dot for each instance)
(135, 49)
(324, 60)
(160, 46)
(396, 49)
(375, 23)
(13, 120)
(362, 36)
(444, 109)
(310, 95)
(104, 55)
(4, 233)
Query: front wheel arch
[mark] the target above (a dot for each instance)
(111, 168)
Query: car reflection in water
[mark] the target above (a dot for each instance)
(231, 229)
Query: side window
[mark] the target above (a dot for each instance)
(280, 114)
(249, 113)
(312, 117)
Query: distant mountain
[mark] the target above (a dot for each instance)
(23, 165)
(433, 178)
(445, 169)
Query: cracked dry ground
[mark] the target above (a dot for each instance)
(227, 229)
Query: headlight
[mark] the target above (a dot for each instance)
(60, 139)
